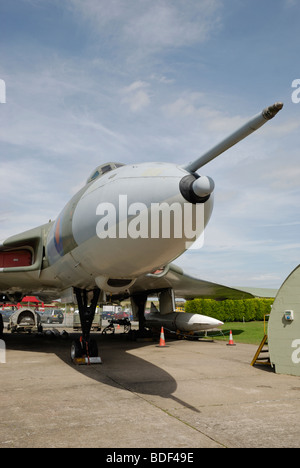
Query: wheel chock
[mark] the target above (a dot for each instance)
(87, 360)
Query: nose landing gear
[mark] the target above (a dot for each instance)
(85, 350)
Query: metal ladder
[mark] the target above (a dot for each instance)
(263, 360)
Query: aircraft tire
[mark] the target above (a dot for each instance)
(78, 352)
(76, 349)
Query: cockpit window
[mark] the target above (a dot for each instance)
(101, 170)
(106, 168)
(95, 175)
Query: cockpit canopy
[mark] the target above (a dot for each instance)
(103, 169)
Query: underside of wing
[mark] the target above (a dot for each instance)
(189, 287)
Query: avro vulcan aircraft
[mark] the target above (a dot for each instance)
(118, 236)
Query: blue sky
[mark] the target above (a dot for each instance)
(90, 81)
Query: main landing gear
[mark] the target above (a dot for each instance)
(85, 349)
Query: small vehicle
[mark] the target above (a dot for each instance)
(107, 315)
(52, 316)
(110, 329)
(121, 315)
(6, 314)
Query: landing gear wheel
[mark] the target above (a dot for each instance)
(80, 349)
(76, 350)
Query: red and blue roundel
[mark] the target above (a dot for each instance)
(58, 242)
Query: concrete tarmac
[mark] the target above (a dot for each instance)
(187, 395)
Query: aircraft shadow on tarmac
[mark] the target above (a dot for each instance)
(120, 368)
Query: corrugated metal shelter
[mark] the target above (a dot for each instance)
(284, 327)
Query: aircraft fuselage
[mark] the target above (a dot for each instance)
(128, 222)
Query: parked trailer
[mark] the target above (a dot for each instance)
(96, 325)
(25, 320)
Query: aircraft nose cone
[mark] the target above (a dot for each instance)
(197, 322)
(196, 189)
(215, 322)
(203, 186)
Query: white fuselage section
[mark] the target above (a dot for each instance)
(128, 222)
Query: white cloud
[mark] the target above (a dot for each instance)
(152, 25)
(136, 96)
(165, 24)
(198, 106)
(290, 3)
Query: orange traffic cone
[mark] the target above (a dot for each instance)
(231, 343)
(162, 342)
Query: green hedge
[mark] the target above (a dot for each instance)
(231, 311)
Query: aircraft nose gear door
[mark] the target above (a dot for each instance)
(85, 347)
